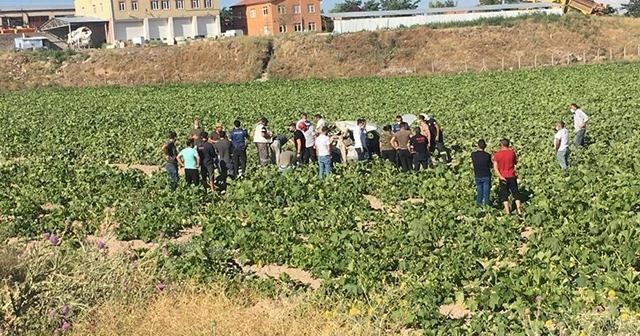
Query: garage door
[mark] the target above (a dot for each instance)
(127, 30)
(183, 27)
(208, 26)
(159, 29)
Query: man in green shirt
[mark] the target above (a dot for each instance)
(189, 159)
(387, 152)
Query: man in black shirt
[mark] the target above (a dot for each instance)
(299, 140)
(224, 148)
(420, 147)
(482, 171)
(170, 157)
(209, 159)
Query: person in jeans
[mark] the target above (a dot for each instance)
(189, 159)
(561, 145)
(323, 148)
(504, 162)
(387, 152)
(170, 161)
(262, 138)
(238, 136)
(400, 142)
(419, 145)
(360, 140)
(482, 172)
(579, 123)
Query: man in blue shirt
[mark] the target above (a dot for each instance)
(238, 136)
(396, 127)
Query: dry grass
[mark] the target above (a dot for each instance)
(212, 312)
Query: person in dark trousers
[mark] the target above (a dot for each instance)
(238, 136)
(195, 133)
(299, 140)
(579, 123)
(203, 170)
(189, 159)
(387, 152)
(419, 145)
(504, 162)
(223, 147)
(400, 142)
(436, 140)
(170, 157)
(482, 172)
(209, 160)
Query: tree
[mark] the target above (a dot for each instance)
(398, 4)
(439, 4)
(347, 6)
(497, 2)
(371, 6)
(632, 8)
(226, 18)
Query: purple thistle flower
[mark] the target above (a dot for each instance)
(65, 326)
(539, 299)
(53, 315)
(56, 332)
(46, 235)
(165, 252)
(161, 235)
(160, 287)
(67, 222)
(100, 244)
(53, 240)
(64, 310)
(134, 264)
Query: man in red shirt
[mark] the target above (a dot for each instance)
(504, 162)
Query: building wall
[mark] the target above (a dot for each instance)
(145, 8)
(94, 8)
(360, 24)
(30, 18)
(253, 20)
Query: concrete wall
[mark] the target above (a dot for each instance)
(31, 18)
(360, 24)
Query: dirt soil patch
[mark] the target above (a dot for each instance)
(147, 169)
(454, 311)
(374, 202)
(274, 271)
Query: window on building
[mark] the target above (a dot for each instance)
(94, 9)
(195, 4)
(134, 5)
(240, 15)
(297, 27)
(180, 4)
(312, 26)
(296, 9)
(283, 28)
(266, 30)
(154, 5)
(311, 8)
(122, 6)
(282, 9)
(252, 13)
(265, 11)
(207, 4)
(165, 4)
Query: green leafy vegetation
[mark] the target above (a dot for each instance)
(575, 251)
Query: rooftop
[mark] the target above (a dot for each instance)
(451, 10)
(251, 2)
(34, 8)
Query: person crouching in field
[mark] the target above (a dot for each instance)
(170, 163)
(504, 162)
(482, 172)
(189, 159)
(561, 145)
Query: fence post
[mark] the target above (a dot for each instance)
(584, 57)
(484, 66)
(433, 68)
(568, 59)
(598, 55)
(535, 61)
(610, 53)
(502, 63)
(624, 52)
(519, 57)
(553, 61)
(638, 49)
(466, 67)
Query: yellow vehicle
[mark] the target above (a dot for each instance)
(584, 6)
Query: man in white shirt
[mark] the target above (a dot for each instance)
(561, 145)
(262, 139)
(579, 123)
(323, 149)
(320, 123)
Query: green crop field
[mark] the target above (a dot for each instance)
(581, 250)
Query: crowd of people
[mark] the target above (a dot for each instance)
(209, 159)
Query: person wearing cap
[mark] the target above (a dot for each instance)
(323, 148)
(299, 141)
(309, 153)
(238, 136)
(396, 126)
(170, 157)
(579, 124)
(262, 138)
